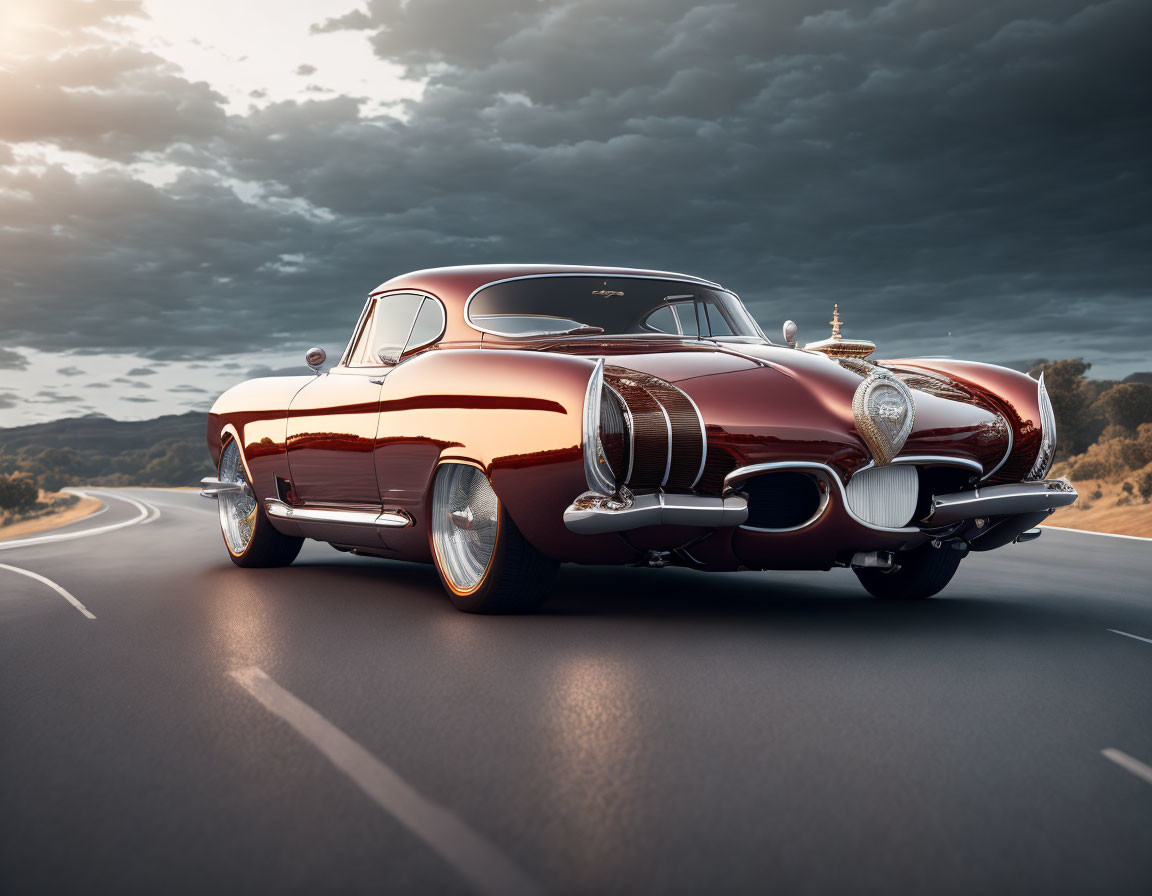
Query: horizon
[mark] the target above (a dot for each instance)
(182, 207)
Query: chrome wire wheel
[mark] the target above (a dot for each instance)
(465, 525)
(237, 509)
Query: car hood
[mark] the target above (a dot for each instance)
(770, 402)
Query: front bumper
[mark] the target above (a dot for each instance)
(1017, 498)
(594, 514)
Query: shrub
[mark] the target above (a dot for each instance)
(1127, 488)
(1144, 483)
(18, 492)
(1097, 494)
(1126, 405)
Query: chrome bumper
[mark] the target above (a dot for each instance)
(593, 514)
(1001, 500)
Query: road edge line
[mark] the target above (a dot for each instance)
(46, 581)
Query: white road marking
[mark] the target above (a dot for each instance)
(39, 578)
(1090, 532)
(469, 853)
(1117, 631)
(82, 533)
(1122, 759)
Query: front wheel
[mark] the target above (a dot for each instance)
(248, 535)
(921, 572)
(484, 562)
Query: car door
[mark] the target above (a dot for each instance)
(332, 421)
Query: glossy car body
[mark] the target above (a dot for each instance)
(350, 456)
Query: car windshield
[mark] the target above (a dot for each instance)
(615, 306)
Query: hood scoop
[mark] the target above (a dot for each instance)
(839, 347)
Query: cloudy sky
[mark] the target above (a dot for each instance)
(193, 191)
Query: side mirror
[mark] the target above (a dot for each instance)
(790, 330)
(390, 355)
(315, 357)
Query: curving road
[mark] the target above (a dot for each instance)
(337, 726)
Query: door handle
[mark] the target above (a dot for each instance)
(379, 381)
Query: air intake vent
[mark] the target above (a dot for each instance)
(885, 496)
(782, 500)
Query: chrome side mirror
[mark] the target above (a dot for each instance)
(389, 355)
(790, 330)
(315, 357)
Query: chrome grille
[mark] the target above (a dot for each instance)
(885, 496)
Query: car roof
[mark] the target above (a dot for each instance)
(471, 277)
(453, 285)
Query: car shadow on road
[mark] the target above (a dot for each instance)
(673, 597)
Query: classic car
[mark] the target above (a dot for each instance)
(500, 420)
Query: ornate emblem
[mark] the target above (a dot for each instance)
(837, 346)
(884, 412)
(606, 292)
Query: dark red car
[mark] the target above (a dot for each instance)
(500, 420)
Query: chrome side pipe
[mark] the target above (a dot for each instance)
(214, 488)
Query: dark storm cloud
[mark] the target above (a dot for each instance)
(967, 168)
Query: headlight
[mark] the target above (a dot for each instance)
(884, 412)
(1047, 452)
(606, 436)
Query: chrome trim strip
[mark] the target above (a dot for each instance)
(595, 477)
(599, 275)
(1001, 500)
(928, 460)
(703, 439)
(386, 519)
(658, 509)
(668, 426)
(742, 473)
(1007, 454)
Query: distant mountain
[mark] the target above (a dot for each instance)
(1138, 378)
(97, 450)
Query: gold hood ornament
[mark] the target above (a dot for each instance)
(839, 347)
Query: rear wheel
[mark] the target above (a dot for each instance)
(484, 562)
(248, 535)
(922, 572)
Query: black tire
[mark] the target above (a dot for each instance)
(264, 546)
(516, 578)
(922, 572)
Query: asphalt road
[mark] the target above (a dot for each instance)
(337, 726)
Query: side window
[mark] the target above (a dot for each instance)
(717, 325)
(386, 331)
(428, 327)
(662, 320)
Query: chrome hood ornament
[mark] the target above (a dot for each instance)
(885, 413)
(837, 345)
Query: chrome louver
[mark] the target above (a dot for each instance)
(641, 432)
(885, 496)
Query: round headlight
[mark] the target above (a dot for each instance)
(884, 412)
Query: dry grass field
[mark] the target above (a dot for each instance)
(1104, 507)
(52, 518)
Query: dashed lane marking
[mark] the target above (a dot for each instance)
(470, 854)
(1122, 759)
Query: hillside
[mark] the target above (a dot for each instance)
(98, 450)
